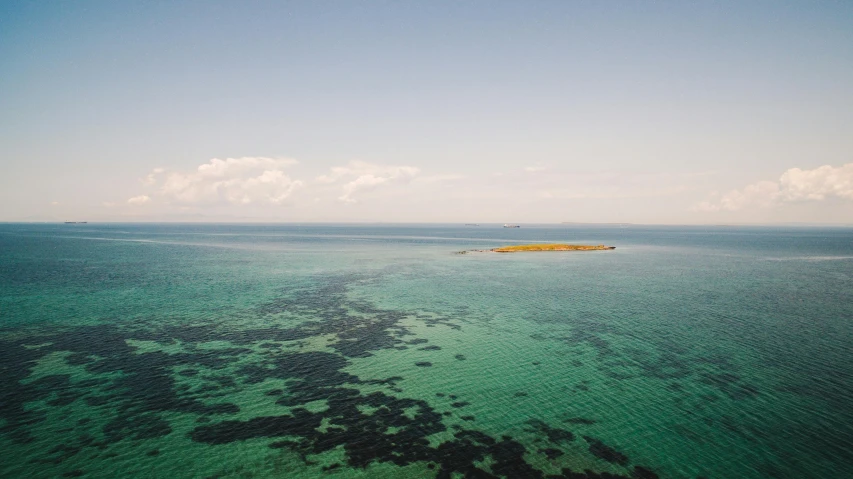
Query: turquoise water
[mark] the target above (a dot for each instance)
(294, 351)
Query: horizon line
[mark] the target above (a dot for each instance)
(457, 223)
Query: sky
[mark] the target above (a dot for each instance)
(660, 112)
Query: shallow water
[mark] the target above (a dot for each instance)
(375, 351)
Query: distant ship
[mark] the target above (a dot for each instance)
(471, 224)
(75, 222)
(511, 226)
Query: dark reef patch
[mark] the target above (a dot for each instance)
(555, 435)
(580, 420)
(136, 390)
(551, 453)
(641, 472)
(603, 451)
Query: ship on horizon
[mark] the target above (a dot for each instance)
(507, 225)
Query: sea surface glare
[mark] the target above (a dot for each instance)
(347, 351)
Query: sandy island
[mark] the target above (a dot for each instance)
(541, 247)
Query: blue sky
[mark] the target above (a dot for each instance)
(664, 112)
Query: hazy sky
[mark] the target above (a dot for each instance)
(464, 111)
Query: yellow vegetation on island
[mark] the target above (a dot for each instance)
(551, 247)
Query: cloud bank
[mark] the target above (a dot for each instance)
(359, 177)
(238, 181)
(794, 185)
(139, 200)
(262, 181)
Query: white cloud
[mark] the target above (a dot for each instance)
(534, 169)
(139, 200)
(818, 184)
(361, 176)
(152, 177)
(271, 186)
(239, 181)
(794, 185)
(236, 166)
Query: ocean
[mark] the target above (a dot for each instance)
(350, 351)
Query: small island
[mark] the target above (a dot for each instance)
(541, 247)
(551, 247)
